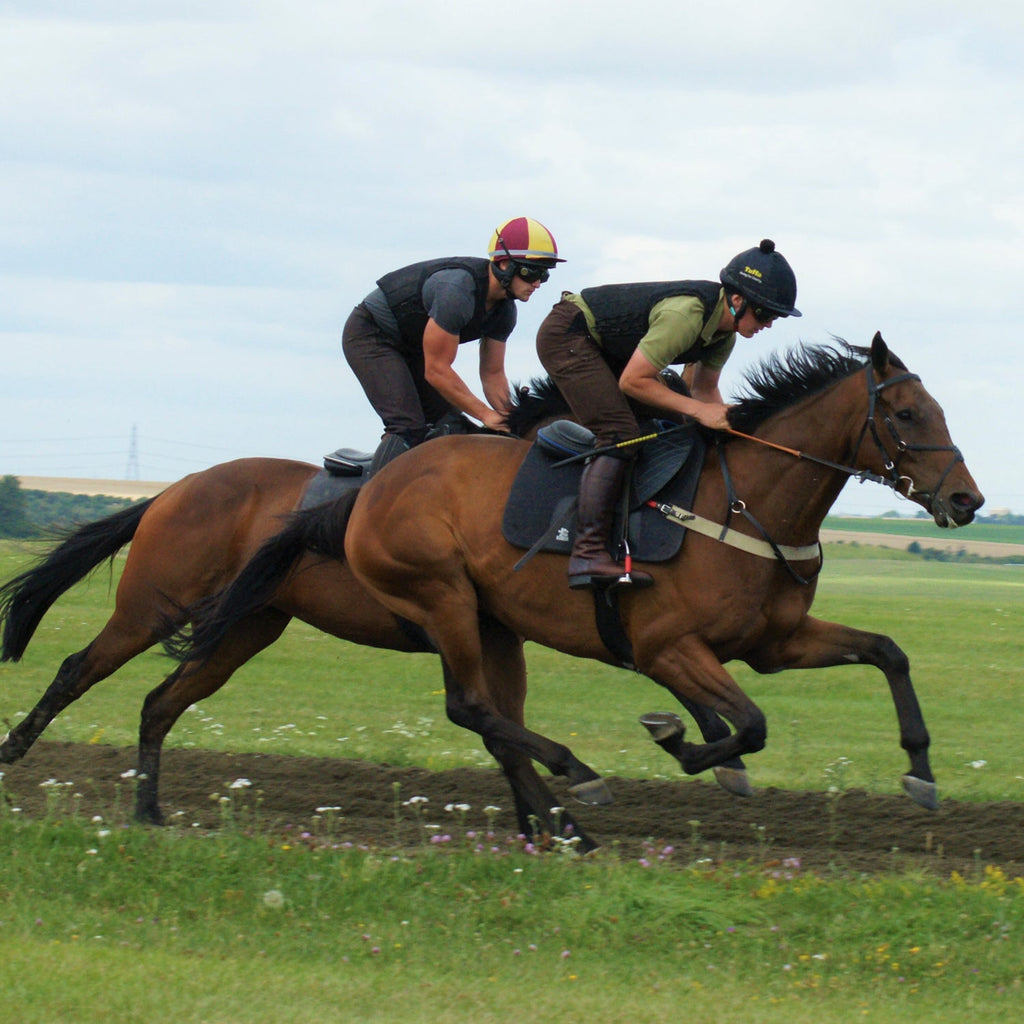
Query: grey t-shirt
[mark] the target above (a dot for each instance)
(449, 296)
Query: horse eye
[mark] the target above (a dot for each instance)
(904, 414)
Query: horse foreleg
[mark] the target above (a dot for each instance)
(699, 682)
(666, 727)
(819, 644)
(187, 685)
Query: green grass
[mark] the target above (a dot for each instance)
(104, 923)
(1001, 533)
(961, 625)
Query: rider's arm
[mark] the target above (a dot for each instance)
(439, 351)
(492, 374)
(640, 381)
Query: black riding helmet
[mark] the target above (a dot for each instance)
(764, 279)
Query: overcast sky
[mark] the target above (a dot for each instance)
(195, 194)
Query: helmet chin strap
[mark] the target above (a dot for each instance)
(738, 315)
(505, 278)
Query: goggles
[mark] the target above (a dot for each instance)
(764, 315)
(531, 273)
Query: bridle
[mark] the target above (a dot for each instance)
(893, 479)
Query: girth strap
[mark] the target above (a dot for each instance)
(733, 538)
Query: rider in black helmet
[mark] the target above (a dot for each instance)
(605, 348)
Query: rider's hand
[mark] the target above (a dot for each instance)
(494, 420)
(712, 415)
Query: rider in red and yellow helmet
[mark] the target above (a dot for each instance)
(402, 339)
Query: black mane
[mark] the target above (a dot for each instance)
(779, 380)
(539, 400)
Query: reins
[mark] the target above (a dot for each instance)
(783, 553)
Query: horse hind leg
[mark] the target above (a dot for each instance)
(187, 685)
(494, 710)
(65, 688)
(536, 810)
(117, 643)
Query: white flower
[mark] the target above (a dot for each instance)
(273, 898)
(240, 784)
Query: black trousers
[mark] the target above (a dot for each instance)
(392, 378)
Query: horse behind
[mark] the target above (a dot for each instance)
(186, 543)
(425, 538)
(193, 540)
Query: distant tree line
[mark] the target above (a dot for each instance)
(26, 513)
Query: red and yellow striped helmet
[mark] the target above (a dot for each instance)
(523, 238)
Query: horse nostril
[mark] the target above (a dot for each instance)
(968, 501)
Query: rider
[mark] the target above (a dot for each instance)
(605, 348)
(402, 339)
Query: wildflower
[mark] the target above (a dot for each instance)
(273, 898)
(978, 764)
(240, 784)
(130, 774)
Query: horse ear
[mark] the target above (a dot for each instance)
(879, 353)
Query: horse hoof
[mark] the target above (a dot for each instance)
(662, 725)
(9, 753)
(594, 791)
(924, 793)
(733, 780)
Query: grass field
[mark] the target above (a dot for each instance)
(979, 530)
(104, 923)
(961, 626)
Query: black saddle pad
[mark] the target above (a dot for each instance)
(327, 486)
(542, 503)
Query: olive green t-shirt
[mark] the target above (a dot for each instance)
(675, 324)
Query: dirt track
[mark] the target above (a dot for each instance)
(857, 830)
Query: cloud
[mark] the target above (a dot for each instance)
(194, 195)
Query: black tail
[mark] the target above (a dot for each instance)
(320, 529)
(26, 599)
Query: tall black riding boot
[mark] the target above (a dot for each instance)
(390, 447)
(590, 564)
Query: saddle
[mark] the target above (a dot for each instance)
(540, 514)
(346, 468)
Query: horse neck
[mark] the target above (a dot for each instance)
(795, 494)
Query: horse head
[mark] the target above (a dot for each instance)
(912, 449)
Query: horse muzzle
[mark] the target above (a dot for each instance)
(956, 509)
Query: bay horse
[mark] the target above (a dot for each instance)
(187, 543)
(425, 538)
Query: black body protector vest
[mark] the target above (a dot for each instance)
(403, 290)
(622, 314)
